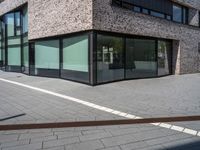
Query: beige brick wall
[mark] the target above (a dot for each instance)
(9, 5)
(56, 17)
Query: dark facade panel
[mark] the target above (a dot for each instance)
(163, 6)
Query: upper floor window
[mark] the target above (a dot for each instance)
(180, 14)
(164, 9)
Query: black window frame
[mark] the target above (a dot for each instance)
(184, 18)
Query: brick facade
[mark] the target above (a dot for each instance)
(56, 17)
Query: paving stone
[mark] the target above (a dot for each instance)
(60, 142)
(61, 135)
(56, 148)
(112, 148)
(25, 147)
(35, 135)
(95, 136)
(89, 145)
(43, 139)
(118, 140)
(6, 138)
(14, 143)
(135, 145)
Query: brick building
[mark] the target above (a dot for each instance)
(100, 41)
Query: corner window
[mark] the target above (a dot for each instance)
(110, 62)
(75, 65)
(180, 14)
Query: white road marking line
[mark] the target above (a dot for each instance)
(165, 125)
(190, 131)
(177, 128)
(106, 109)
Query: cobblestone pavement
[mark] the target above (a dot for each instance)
(167, 96)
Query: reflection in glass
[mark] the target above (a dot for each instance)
(14, 56)
(75, 59)
(164, 58)
(177, 13)
(47, 54)
(140, 58)
(25, 47)
(110, 63)
(10, 24)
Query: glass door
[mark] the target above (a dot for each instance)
(164, 58)
(140, 58)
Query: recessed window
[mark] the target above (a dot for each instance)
(177, 13)
(180, 14)
(168, 17)
(145, 11)
(157, 14)
(137, 9)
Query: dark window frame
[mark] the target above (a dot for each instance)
(184, 14)
(120, 3)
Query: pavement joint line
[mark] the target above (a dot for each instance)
(105, 109)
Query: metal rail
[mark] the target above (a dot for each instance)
(98, 123)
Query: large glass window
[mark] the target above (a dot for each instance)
(25, 50)
(13, 36)
(164, 58)
(3, 43)
(14, 56)
(10, 24)
(140, 58)
(75, 58)
(47, 58)
(110, 59)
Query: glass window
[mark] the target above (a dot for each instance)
(0, 43)
(10, 24)
(25, 56)
(25, 20)
(14, 56)
(136, 9)
(145, 11)
(157, 14)
(25, 52)
(164, 58)
(140, 58)
(168, 17)
(75, 58)
(3, 42)
(17, 19)
(47, 54)
(110, 63)
(14, 41)
(177, 13)
(185, 16)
